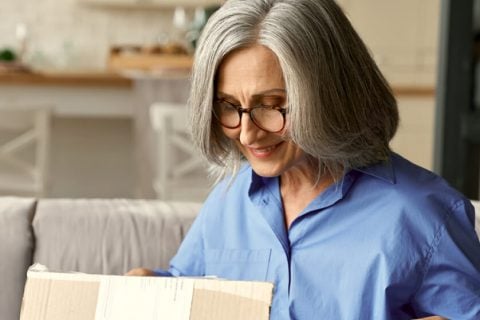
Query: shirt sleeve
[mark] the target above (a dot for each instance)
(451, 284)
(189, 259)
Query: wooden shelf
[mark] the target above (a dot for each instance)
(151, 62)
(66, 79)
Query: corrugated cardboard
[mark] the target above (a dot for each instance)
(70, 296)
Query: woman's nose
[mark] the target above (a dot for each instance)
(249, 132)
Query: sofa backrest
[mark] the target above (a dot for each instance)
(109, 236)
(91, 236)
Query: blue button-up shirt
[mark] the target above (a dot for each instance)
(390, 241)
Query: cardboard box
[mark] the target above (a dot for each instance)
(74, 296)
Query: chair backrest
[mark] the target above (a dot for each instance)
(180, 173)
(24, 150)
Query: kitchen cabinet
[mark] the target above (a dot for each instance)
(150, 4)
(101, 141)
(415, 135)
(96, 95)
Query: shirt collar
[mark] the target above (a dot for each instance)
(256, 183)
(382, 170)
(262, 189)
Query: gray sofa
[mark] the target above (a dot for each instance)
(92, 236)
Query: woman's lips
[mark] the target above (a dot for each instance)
(263, 152)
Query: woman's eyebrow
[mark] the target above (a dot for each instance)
(267, 92)
(225, 95)
(256, 95)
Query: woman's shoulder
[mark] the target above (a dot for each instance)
(418, 194)
(232, 187)
(420, 185)
(237, 180)
(409, 192)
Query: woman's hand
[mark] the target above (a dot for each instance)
(140, 272)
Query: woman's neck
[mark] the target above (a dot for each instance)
(298, 187)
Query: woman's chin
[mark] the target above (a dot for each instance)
(266, 172)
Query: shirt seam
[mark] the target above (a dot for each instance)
(436, 241)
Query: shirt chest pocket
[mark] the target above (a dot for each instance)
(238, 264)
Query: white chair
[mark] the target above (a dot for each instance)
(180, 173)
(24, 150)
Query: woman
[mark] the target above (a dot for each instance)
(343, 227)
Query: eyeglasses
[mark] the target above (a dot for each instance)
(268, 118)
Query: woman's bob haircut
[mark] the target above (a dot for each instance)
(341, 110)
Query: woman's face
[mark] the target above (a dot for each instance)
(250, 77)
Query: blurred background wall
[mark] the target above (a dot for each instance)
(94, 149)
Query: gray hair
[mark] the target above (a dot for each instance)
(341, 110)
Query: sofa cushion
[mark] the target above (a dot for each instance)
(109, 236)
(16, 247)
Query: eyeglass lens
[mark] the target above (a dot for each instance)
(268, 119)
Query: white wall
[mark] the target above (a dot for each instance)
(415, 136)
(402, 35)
(66, 33)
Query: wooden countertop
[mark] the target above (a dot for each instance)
(58, 78)
(110, 79)
(413, 91)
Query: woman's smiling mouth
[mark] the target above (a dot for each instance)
(263, 152)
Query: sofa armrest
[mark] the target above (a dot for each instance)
(16, 247)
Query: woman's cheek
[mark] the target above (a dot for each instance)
(231, 133)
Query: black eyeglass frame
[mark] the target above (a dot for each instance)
(241, 110)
